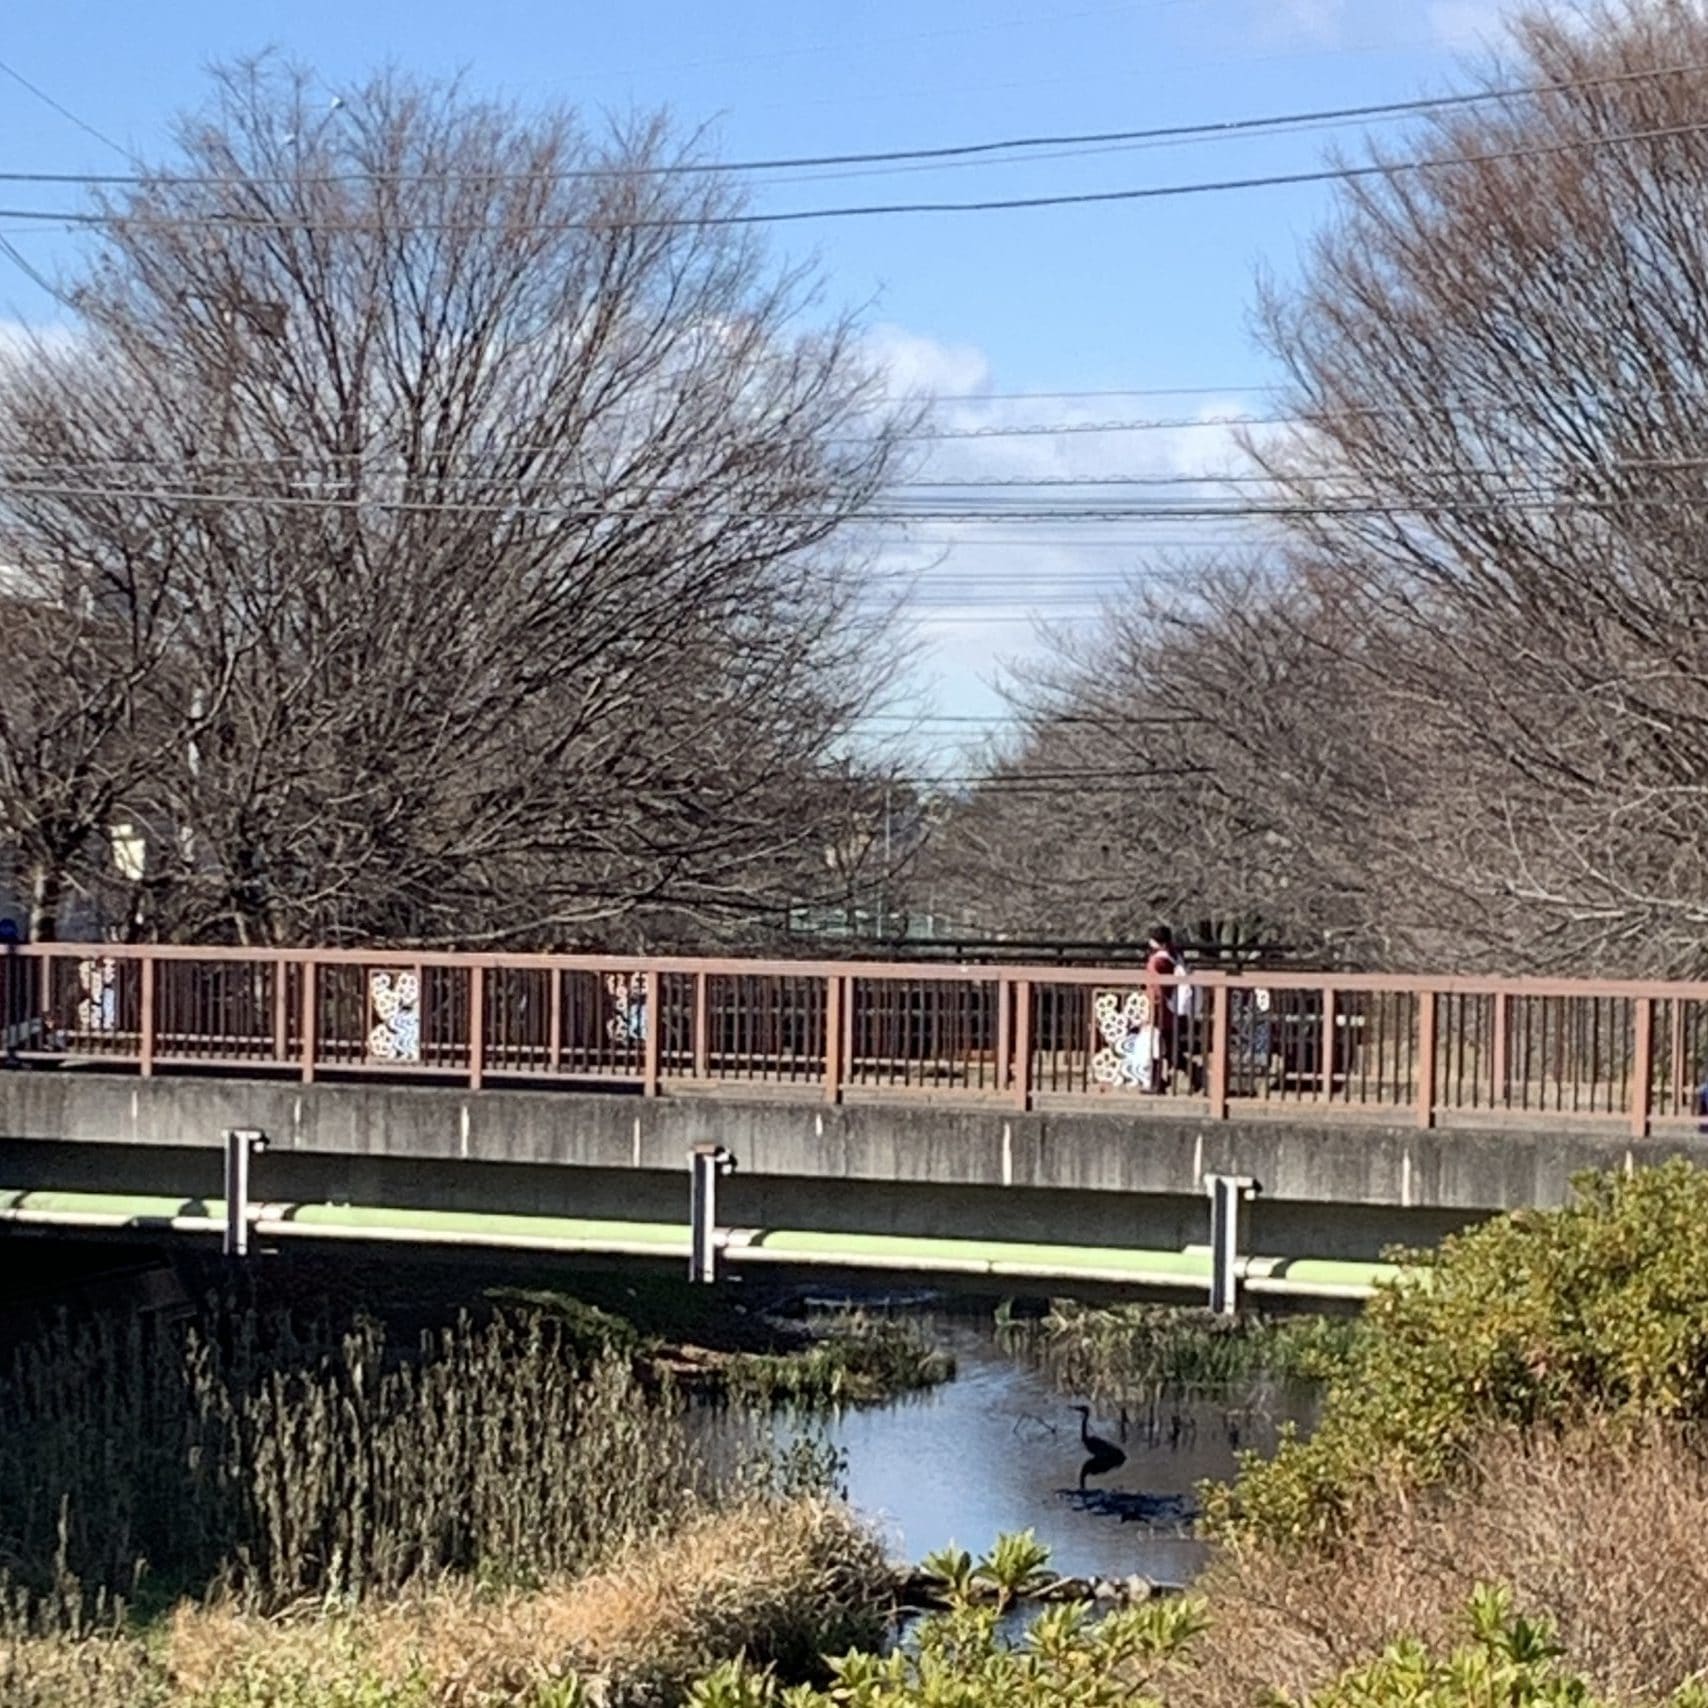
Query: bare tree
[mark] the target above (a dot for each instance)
(514, 578)
(1461, 716)
(1503, 488)
(1163, 770)
(86, 709)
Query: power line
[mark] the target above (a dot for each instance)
(1077, 142)
(1020, 430)
(74, 219)
(1104, 151)
(1116, 391)
(951, 485)
(66, 113)
(1200, 130)
(1112, 721)
(1419, 504)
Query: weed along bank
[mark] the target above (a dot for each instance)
(475, 1485)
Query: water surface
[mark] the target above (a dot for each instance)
(998, 1449)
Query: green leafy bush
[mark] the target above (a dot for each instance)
(1069, 1656)
(1537, 1318)
(1509, 1661)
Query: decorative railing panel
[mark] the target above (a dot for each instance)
(1626, 1055)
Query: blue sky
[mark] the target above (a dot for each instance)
(1144, 295)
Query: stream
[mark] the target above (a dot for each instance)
(998, 1449)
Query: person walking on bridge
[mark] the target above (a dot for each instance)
(1162, 964)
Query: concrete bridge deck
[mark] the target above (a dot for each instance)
(979, 1120)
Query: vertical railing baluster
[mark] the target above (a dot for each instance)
(702, 1027)
(1498, 1067)
(1328, 1025)
(1642, 1067)
(1004, 1031)
(281, 1009)
(310, 1018)
(145, 1017)
(477, 1026)
(1678, 1107)
(1426, 1058)
(652, 1025)
(1022, 1043)
(834, 1065)
(1221, 1019)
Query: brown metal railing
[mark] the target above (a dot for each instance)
(1627, 1055)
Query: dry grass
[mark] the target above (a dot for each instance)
(777, 1582)
(285, 1460)
(1605, 1531)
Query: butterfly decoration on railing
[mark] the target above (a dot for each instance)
(1129, 1041)
(98, 1005)
(627, 991)
(1254, 1037)
(395, 998)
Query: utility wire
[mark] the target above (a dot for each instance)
(1416, 504)
(1204, 129)
(951, 485)
(74, 219)
(1026, 430)
(1115, 391)
(66, 113)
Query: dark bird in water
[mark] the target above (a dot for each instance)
(1101, 1455)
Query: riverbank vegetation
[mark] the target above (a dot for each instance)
(272, 1459)
(1136, 1354)
(1602, 1527)
(1494, 1656)
(1527, 1413)
(1531, 1321)
(696, 1340)
(270, 1502)
(780, 1581)
(1506, 1502)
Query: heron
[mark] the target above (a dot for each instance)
(1101, 1455)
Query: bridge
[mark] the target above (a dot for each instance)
(1007, 1124)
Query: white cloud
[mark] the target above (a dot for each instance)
(918, 364)
(21, 338)
(1316, 21)
(1469, 24)
(1460, 25)
(985, 583)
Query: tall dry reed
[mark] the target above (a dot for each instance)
(275, 1461)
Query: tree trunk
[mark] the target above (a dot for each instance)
(47, 891)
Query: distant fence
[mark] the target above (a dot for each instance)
(1626, 1055)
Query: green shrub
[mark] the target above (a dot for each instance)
(1537, 1318)
(1509, 1661)
(961, 1657)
